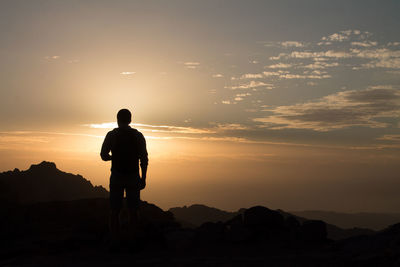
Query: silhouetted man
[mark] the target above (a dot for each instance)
(127, 147)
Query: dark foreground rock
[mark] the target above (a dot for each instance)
(75, 233)
(52, 218)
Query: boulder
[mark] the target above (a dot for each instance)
(210, 232)
(263, 222)
(313, 231)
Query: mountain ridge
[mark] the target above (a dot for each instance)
(43, 182)
(371, 220)
(197, 214)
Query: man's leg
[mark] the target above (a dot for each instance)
(116, 197)
(114, 224)
(133, 201)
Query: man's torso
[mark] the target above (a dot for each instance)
(126, 148)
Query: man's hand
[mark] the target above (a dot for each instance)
(142, 184)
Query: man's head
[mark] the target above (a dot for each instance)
(124, 117)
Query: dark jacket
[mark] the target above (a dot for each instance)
(128, 147)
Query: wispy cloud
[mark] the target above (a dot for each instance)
(251, 76)
(127, 73)
(342, 36)
(321, 65)
(152, 128)
(191, 64)
(394, 44)
(230, 126)
(364, 44)
(47, 133)
(279, 66)
(73, 61)
(252, 84)
(37, 140)
(354, 44)
(271, 73)
(218, 75)
(300, 76)
(337, 111)
(390, 137)
(51, 57)
(292, 44)
(240, 97)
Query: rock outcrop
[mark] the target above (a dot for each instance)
(44, 182)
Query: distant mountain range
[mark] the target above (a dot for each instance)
(43, 182)
(197, 214)
(375, 221)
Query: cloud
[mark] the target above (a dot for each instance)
(73, 61)
(271, 44)
(231, 126)
(23, 140)
(364, 44)
(127, 73)
(292, 44)
(271, 73)
(218, 75)
(52, 57)
(342, 36)
(240, 97)
(319, 54)
(279, 66)
(191, 65)
(251, 76)
(252, 84)
(244, 94)
(281, 55)
(348, 44)
(34, 140)
(311, 83)
(394, 44)
(390, 137)
(390, 63)
(338, 111)
(321, 65)
(338, 37)
(395, 72)
(378, 53)
(300, 76)
(152, 128)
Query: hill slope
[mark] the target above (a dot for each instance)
(195, 215)
(375, 221)
(44, 182)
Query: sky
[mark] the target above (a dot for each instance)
(287, 104)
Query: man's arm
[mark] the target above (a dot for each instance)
(144, 160)
(106, 148)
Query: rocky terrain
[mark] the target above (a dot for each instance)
(75, 233)
(44, 182)
(374, 221)
(195, 215)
